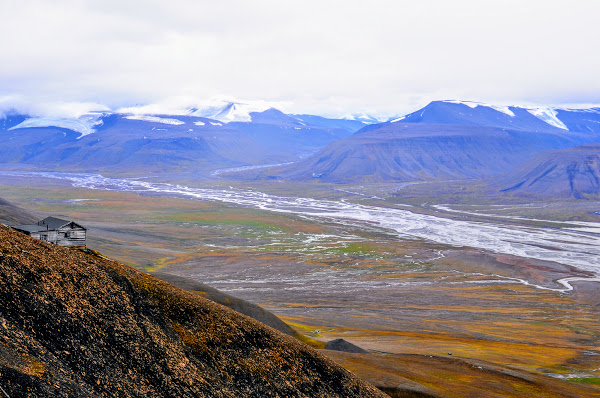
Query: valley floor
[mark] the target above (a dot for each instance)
(392, 296)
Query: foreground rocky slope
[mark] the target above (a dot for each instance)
(242, 306)
(77, 325)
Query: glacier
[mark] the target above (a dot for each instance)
(83, 125)
(155, 119)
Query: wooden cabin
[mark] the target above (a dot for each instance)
(57, 231)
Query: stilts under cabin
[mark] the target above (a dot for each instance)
(57, 231)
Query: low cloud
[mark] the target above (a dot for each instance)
(327, 57)
(34, 107)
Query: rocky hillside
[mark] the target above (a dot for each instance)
(565, 173)
(77, 325)
(242, 306)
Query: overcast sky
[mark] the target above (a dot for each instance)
(320, 56)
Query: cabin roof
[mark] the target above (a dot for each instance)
(47, 224)
(30, 228)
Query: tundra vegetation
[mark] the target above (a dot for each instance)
(409, 302)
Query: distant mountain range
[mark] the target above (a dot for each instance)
(130, 141)
(444, 140)
(447, 140)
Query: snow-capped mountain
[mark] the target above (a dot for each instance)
(84, 125)
(224, 110)
(448, 140)
(139, 139)
(445, 139)
(584, 121)
(232, 111)
(364, 118)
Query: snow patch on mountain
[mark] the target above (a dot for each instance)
(583, 110)
(83, 125)
(223, 109)
(364, 117)
(548, 115)
(155, 119)
(503, 109)
(232, 111)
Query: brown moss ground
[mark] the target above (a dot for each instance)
(411, 375)
(73, 324)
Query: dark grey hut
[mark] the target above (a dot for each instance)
(57, 231)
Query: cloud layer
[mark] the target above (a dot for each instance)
(327, 56)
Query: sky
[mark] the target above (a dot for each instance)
(324, 57)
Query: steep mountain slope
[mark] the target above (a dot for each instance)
(287, 137)
(414, 152)
(242, 306)
(13, 215)
(76, 325)
(571, 172)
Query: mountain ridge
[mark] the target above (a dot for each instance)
(136, 142)
(419, 152)
(584, 120)
(567, 173)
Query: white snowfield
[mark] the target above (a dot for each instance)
(545, 114)
(223, 109)
(232, 112)
(549, 116)
(503, 109)
(83, 125)
(155, 119)
(579, 249)
(365, 118)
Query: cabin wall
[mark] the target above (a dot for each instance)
(71, 237)
(48, 236)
